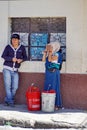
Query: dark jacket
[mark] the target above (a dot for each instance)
(9, 52)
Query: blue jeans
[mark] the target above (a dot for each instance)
(11, 80)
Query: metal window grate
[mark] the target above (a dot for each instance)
(55, 27)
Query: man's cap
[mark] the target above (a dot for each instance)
(15, 36)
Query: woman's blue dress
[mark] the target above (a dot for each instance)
(52, 81)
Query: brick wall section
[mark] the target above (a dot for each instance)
(73, 88)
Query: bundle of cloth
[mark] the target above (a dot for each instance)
(53, 46)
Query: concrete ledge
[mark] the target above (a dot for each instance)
(19, 116)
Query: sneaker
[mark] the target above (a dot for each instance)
(6, 104)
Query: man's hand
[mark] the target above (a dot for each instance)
(19, 60)
(14, 59)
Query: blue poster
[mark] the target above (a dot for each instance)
(36, 53)
(38, 39)
(38, 42)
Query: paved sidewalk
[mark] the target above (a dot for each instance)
(19, 116)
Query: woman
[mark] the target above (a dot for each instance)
(14, 54)
(53, 58)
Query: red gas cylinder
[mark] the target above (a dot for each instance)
(33, 97)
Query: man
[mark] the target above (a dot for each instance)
(14, 54)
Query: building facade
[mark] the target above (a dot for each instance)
(74, 70)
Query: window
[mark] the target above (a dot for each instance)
(35, 33)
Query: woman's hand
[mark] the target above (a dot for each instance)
(54, 58)
(44, 55)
